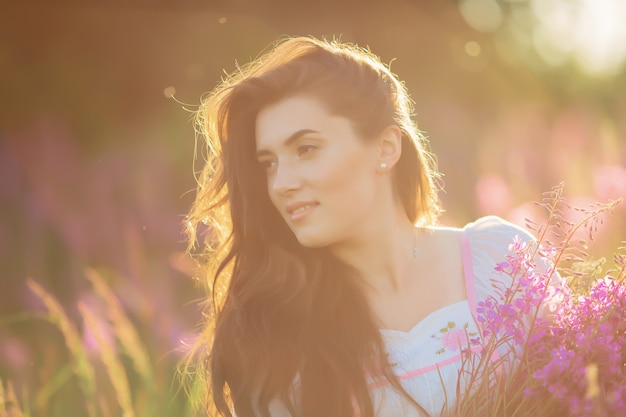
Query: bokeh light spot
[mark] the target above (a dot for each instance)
(472, 48)
(221, 20)
(468, 54)
(481, 15)
(169, 92)
(550, 49)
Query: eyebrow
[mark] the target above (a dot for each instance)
(291, 139)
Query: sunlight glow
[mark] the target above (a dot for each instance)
(590, 31)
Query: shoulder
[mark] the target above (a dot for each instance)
(492, 240)
(494, 225)
(491, 232)
(487, 238)
(488, 242)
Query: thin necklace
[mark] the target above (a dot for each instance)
(416, 251)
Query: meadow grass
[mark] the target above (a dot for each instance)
(80, 364)
(9, 406)
(109, 372)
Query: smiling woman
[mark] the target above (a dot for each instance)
(333, 292)
(321, 180)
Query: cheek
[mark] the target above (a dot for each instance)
(272, 196)
(352, 182)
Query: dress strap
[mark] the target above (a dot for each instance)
(470, 282)
(468, 271)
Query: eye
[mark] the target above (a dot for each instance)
(306, 149)
(268, 164)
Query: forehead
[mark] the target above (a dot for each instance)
(278, 121)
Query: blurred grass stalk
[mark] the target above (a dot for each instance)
(83, 369)
(112, 364)
(9, 407)
(124, 329)
(130, 345)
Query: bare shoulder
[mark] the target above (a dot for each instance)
(442, 237)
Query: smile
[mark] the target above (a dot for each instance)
(301, 209)
(298, 212)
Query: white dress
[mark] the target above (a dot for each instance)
(427, 359)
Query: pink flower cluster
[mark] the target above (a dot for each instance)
(509, 316)
(589, 332)
(571, 346)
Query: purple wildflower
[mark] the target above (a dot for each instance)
(585, 331)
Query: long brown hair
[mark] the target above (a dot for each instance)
(284, 321)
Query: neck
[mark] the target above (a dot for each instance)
(383, 254)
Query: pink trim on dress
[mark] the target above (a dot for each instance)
(420, 371)
(468, 271)
(470, 285)
(437, 365)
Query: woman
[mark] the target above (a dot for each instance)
(333, 292)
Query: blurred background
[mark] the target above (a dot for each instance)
(97, 151)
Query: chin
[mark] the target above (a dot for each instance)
(312, 241)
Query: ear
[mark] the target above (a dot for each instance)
(389, 147)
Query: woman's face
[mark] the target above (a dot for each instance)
(321, 177)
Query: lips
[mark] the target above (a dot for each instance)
(299, 210)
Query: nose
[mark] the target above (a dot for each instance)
(285, 180)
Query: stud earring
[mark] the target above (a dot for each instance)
(383, 165)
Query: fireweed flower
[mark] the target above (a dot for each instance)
(553, 346)
(509, 315)
(592, 329)
(582, 331)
